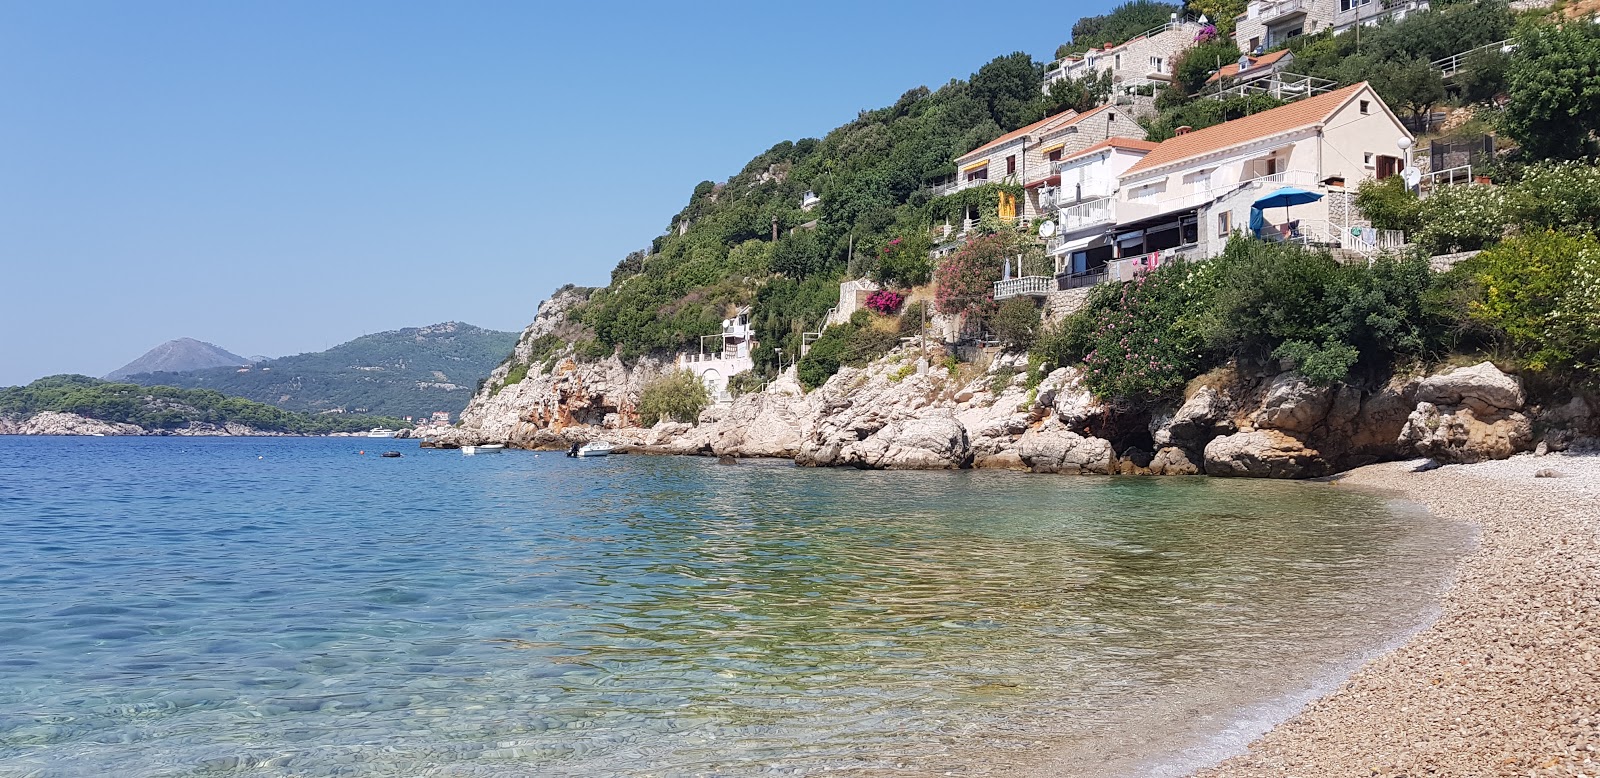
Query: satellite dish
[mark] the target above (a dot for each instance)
(1411, 176)
(1046, 229)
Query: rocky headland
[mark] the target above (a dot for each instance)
(59, 423)
(915, 409)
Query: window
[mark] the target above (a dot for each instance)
(1367, 159)
(1157, 65)
(1366, 107)
(1255, 43)
(1116, 62)
(1011, 165)
(1055, 156)
(981, 174)
(1224, 224)
(1388, 166)
(1111, 117)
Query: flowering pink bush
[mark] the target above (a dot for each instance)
(964, 282)
(885, 301)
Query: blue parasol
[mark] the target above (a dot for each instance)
(1285, 197)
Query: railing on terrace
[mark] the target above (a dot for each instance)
(1461, 174)
(1086, 278)
(948, 187)
(1026, 285)
(1271, 12)
(1086, 214)
(1451, 65)
(1287, 87)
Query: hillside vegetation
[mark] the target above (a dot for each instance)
(407, 372)
(747, 240)
(165, 407)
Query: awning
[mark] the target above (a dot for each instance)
(1057, 147)
(972, 165)
(1046, 181)
(1091, 241)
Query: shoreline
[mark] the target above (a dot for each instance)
(1506, 679)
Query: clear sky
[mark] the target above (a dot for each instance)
(278, 177)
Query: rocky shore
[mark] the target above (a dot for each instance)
(1507, 681)
(57, 423)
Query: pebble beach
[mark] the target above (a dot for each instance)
(1507, 681)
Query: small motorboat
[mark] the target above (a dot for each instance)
(596, 448)
(487, 448)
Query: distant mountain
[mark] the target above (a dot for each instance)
(176, 356)
(409, 372)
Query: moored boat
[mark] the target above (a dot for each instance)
(382, 432)
(596, 448)
(487, 448)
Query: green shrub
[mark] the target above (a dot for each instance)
(1540, 293)
(1389, 204)
(744, 383)
(1464, 218)
(1016, 323)
(855, 343)
(514, 376)
(679, 396)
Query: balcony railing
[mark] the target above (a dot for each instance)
(1272, 12)
(1086, 214)
(1287, 87)
(1026, 285)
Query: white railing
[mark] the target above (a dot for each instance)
(1271, 12)
(1452, 64)
(1287, 87)
(1460, 174)
(1086, 214)
(940, 190)
(1026, 285)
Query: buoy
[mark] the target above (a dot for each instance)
(260, 457)
(361, 452)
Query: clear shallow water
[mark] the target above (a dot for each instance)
(285, 607)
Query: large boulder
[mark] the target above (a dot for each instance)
(1052, 448)
(936, 443)
(1458, 434)
(1173, 461)
(1262, 454)
(1294, 404)
(1481, 387)
(761, 425)
(1204, 415)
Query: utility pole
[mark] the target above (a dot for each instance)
(774, 229)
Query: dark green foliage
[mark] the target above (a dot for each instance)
(1484, 75)
(679, 397)
(1554, 87)
(1016, 323)
(1194, 66)
(1120, 24)
(783, 310)
(1284, 301)
(1408, 85)
(166, 407)
(1079, 94)
(855, 343)
(514, 376)
(399, 373)
(1389, 204)
(1009, 87)
(744, 383)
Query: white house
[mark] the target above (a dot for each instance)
(1085, 197)
(1193, 191)
(1267, 24)
(1142, 60)
(1028, 156)
(735, 347)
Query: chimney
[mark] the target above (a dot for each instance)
(1184, 130)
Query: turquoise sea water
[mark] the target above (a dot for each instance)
(287, 607)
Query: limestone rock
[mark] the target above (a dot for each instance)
(1173, 461)
(766, 424)
(1460, 435)
(1052, 448)
(1481, 387)
(1202, 416)
(912, 444)
(1293, 404)
(1262, 454)
(57, 423)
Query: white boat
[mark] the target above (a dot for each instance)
(487, 448)
(596, 448)
(382, 432)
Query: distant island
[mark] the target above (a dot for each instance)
(414, 371)
(80, 405)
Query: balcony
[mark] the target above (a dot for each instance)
(1089, 213)
(1283, 10)
(1031, 286)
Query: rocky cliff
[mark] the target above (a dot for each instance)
(908, 411)
(58, 423)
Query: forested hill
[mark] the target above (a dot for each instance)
(166, 408)
(407, 372)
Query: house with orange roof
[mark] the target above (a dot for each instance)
(1249, 68)
(1027, 156)
(1193, 191)
(1142, 60)
(1085, 187)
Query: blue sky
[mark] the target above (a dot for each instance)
(281, 177)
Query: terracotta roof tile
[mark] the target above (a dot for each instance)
(1133, 144)
(1070, 116)
(1305, 113)
(1232, 69)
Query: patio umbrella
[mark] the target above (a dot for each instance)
(1285, 197)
